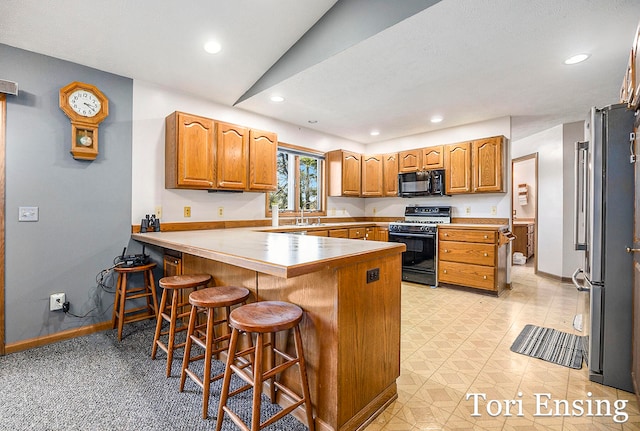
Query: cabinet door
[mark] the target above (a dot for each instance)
(457, 163)
(350, 173)
(263, 149)
(371, 175)
(390, 174)
(231, 156)
(433, 157)
(189, 151)
(487, 161)
(171, 265)
(410, 160)
(339, 233)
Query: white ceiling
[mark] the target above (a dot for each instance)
(467, 60)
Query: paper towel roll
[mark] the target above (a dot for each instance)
(274, 215)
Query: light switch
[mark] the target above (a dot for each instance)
(28, 214)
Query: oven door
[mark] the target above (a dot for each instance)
(419, 260)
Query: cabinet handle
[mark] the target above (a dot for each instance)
(444, 271)
(486, 237)
(486, 254)
(446, 234)
(632, 250)
(446, 251)
(484, 277)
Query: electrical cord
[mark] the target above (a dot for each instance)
(102, 280)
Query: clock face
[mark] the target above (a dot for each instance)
(84, 103)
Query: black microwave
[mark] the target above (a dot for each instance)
(421, 183)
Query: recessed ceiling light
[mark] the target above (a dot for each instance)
(436, 119)
(212, 47)
(374, 133)
(579, 58)
(277, 99)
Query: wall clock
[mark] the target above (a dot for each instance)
(86, 107)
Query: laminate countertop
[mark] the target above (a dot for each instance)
(283, 255)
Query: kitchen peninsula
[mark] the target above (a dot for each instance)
(349, 290)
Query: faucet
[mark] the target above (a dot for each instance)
(302, 222)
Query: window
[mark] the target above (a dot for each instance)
(300, 181)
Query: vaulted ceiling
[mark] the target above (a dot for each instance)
(347, 67)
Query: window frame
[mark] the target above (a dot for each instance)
(323, 183)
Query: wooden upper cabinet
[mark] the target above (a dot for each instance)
(487, 165)
(410, 160)
(343, 173)
(263, 150)
(433, 157)
(390, 174)
(231, 156)
(189, 151)
(457, 163)
(372, 175)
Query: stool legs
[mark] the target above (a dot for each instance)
(210, 346)
(173, 318)
(120, 315)
(259, 376)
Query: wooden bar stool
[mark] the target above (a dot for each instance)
(210, 299)
(261, 318)
(174, 286)
(123, 293)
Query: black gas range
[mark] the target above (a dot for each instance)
(419, 232)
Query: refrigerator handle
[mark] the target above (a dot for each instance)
(574, 278)
(580, 194)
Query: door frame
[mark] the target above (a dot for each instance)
(3, 129)
(513, 191)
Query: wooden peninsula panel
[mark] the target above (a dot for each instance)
(351, 327)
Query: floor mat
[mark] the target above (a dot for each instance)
(550, 345)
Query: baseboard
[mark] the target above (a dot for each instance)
(554, 277)
(58, 336)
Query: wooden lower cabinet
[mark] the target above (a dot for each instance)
(472, 258)
(525, 237)
(357, 232)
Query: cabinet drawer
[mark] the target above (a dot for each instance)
(479, 276)
(357, 232)
(339, 233)
(467, 235)
(464, 252)
(318, 232)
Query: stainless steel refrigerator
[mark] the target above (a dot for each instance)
(604, 228)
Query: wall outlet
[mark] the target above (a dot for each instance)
(56, 301)
(28, 214)
(373, 275)
(220, 211)
(494, 210)
(375, 210)
(158, 212)
(467, 210)
(333, 211)
(187, 211)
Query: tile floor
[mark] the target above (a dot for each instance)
(457, 342)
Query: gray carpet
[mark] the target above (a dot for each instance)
(96, 383)
(550, 345)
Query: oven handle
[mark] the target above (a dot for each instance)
(412, 235)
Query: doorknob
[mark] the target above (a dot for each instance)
(631, 250)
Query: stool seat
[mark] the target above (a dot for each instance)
(218, 296)
(120, 314)
(174, 311)
(266, 316)
(185, 281)
(131, 269)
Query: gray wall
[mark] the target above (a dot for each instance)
(85, 207)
